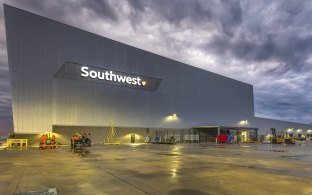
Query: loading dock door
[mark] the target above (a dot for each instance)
(208, 134)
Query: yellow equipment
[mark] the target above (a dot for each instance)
(281, 138)
(17, 142)
(112, 137)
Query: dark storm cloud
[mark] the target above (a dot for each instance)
(175, 11)
(62, 9)
(138, 5)
(279, 40)
(295, 106)
(232, 17)
(289, 99)
(290, 51)
(198, 11)
(100, 8)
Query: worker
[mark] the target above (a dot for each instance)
(43, 138)
(53, 139)
(230, 138)
(76, 137)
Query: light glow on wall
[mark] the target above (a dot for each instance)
(290, 130)
(243, 122)
(138, 139)
(172, 118)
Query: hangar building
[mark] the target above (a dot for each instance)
(68, 80)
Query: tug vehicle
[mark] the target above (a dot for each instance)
(281, 138)
(47, 141)
(79, 141)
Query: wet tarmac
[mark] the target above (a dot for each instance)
(160, 169)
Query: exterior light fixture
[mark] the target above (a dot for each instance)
(172, 118)
(243, 122)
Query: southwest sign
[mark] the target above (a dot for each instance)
(110, 76)
(74, 71)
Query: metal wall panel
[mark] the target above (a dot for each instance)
(38, 47)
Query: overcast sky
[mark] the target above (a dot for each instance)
(262, 42)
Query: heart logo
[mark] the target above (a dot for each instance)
(144, 83)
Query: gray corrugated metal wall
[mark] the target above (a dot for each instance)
(38, 47)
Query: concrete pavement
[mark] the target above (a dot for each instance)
(161, 169)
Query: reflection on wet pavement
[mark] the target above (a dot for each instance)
(83, 152)
(161, 169)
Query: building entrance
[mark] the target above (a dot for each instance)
(132, 138)
(240, 134)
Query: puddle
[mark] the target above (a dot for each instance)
(219, 146)
(119, 159)
(294, 157)
(81, 152)
(276, 150)
(130, 172)
(91, 155)
(50, 191)
(146, 175)
(166, 154)
(186, 192)
(247, 166)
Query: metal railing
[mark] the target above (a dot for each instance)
(17, 143)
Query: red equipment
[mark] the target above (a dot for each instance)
(47, 141)
(222, 138)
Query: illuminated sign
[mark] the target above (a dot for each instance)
(110, 76)
(74, 71)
